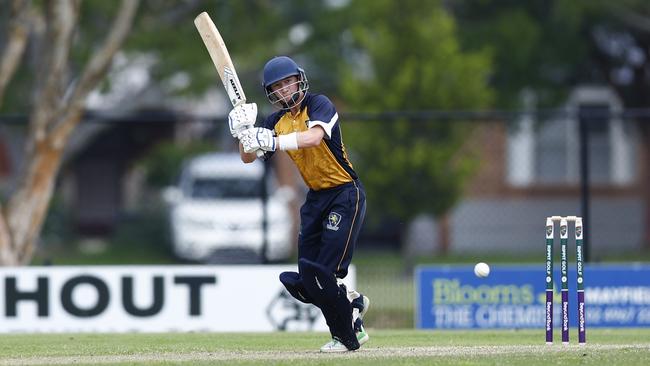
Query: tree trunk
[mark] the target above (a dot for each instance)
(7, 255)
(27, 207)
(15, 44)
(58, 106)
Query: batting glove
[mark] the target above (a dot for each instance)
(257, 138)
(241, 118)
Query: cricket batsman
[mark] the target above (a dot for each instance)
(306, 127)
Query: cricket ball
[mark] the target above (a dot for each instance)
(481, 270)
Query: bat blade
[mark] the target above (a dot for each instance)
(220, 57)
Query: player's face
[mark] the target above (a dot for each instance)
(285, 88)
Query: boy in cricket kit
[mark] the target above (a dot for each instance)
(306, 127)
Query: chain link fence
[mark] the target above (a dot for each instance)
(173, 185)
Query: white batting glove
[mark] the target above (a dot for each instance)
(242, 117)
(257, 138)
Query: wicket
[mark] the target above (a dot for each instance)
(564, 239)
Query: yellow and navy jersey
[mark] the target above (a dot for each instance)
(323, 166)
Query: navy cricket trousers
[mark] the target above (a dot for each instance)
(330, 221)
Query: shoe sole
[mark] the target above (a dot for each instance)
(335, 350)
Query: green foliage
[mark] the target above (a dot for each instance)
(534, 43)
(411, 60)
(164, 30)
(553, 46)
(250, 29)
(166, 159)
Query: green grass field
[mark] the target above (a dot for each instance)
(406, 347)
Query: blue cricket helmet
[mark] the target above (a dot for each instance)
(279, 68)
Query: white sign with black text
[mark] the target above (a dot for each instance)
(152, 299)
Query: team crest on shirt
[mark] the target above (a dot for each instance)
(333, 221)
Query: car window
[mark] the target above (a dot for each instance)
(223, 188)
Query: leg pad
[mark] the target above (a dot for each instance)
(293, 283)
(321, 285)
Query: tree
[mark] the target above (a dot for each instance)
(57, 106)
(536, 44)
(553, 46)
(405, 56)
(162, 31)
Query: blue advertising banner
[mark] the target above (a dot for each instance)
(514, 296)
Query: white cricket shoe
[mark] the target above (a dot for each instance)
(333, 346)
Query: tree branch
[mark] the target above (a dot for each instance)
(16, 43)
(96, 69)
(62, 17)
(17, 35)
(26, 208)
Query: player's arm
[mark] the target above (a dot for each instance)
(298, 140)
(310, 138)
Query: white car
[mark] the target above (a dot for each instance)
(216, 212)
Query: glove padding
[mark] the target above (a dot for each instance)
(241, 118)
(257, 138)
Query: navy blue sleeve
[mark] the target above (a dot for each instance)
(270, 121)
(322, 113)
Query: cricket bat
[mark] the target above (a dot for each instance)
(221, 59)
